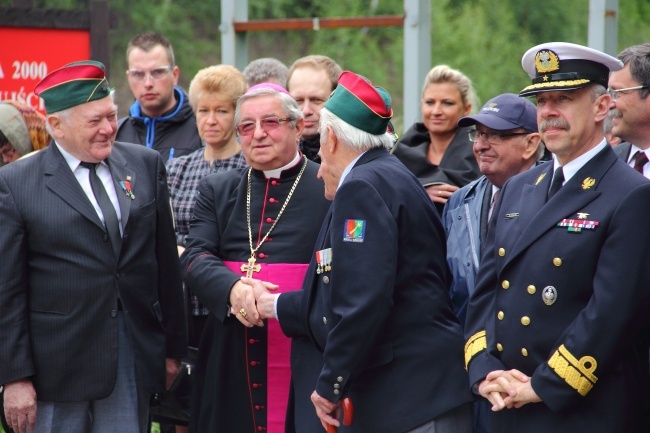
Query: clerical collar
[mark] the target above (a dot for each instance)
(276, 172)
(571, 168)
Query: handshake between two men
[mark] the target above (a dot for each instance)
(251, 301)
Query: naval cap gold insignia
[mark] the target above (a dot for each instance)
(546, 61)
(588, 182)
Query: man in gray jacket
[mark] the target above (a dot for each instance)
(505, 142)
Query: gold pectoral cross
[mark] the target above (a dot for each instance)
(251, 267)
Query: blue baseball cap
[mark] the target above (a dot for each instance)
(504, 112)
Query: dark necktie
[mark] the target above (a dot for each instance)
(558, 180)
(640, 160)
(495, 200)
(108, 210)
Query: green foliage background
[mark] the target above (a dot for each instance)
(483, 38)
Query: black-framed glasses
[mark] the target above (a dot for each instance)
(155, 74)
(615, 92)
(492, 137)
(267, 124)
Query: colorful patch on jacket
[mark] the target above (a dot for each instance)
(354, 231)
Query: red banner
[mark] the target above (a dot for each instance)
(27, 55)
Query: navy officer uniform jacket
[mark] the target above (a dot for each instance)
(381, 315)
(563, 295)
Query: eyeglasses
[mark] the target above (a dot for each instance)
(492, 137)
(267, 124)
(155, 74)
(615, 92)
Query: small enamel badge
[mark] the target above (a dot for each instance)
(588, 182)
(354, 231)
(549, 295)
(126, 187)
(324, 260)
(539, 179)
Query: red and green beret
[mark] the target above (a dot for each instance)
(73, 84)
(360, 104)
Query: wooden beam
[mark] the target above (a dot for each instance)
(99, 26)
(22, 3)
(317, 23)
(45, 18)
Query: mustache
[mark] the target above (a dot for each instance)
(554, 123)
(615, 112)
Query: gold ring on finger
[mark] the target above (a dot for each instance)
(242, 312)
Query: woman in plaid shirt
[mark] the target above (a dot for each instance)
(213, 95)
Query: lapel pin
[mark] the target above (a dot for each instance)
(539, 179)
(588, 182)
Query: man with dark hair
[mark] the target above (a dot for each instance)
(91, 300)
(311, 80)
(161, 117)
(557, 328)
(629, 89)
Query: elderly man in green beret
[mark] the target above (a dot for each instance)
(376, 307)
(91, 304)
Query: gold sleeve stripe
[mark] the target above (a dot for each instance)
(578, 374)
(476, 343)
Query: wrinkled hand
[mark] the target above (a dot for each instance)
(242, 301)
(173, 367)
(440, 193)
(243, 296)
(326, 410)
(20, 405)
(507, 389)
(265, 301)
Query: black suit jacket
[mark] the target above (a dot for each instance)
(381, 316)
(568, 307)
(60, 279)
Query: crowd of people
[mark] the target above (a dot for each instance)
(487, 272)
